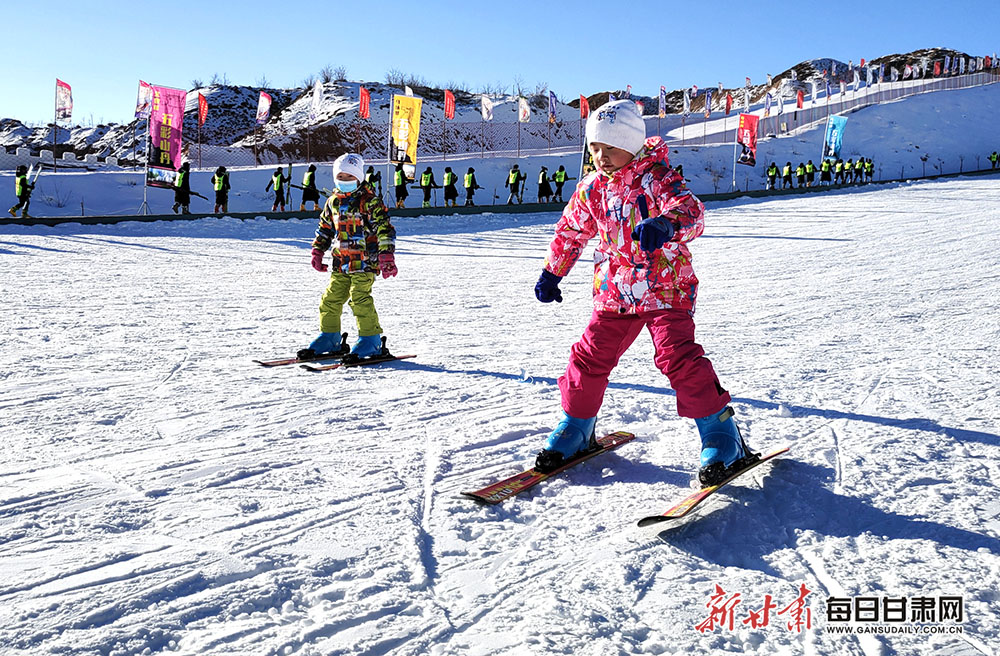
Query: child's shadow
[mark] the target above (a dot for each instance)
(755, 522)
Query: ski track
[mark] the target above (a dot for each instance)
(160, 492)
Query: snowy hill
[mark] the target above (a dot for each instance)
(162, 494)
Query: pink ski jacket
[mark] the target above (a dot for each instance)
(627, 279)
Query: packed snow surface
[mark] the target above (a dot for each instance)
(161, 493)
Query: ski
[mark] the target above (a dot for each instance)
(376, 359)
(694, 499)
(508, 487)
(344, 348)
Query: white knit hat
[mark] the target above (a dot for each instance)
(350, 163)
(617, 124)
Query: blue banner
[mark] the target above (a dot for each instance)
(834, 137)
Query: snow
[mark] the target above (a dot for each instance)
(160, 493)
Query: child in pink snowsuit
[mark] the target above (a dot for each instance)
(643, 278)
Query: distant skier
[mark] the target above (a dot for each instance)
(450, 188)
(800, 174)
(786, 176)
(560, 177)
(869, 170)
(838, 172)
(22, 189)
(859, 171)
(355, 222)
(220, 182)
(374, 179)
(427, 183)
(277, 181)
(810, 173)
(848, 171)
(310, 192)
(772, 176)
(514, 180)
(544, 188)
(469, 181)
(400, 181)
(825, 167)
(645, 216)
(182, 189)
(994, 158)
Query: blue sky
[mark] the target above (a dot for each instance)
(102, 48)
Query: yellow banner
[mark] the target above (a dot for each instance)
(405, 129)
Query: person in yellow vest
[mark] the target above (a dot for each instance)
(859, 170)
(310, 192)
(427, 182)
(513, 181)
(22, 189)
(220, 182)
(772, 176)
(560, 177)
(786, 176)
(182, 189)
(374, 179)
(470, 186)
(838, 172)
(400, 181)
(869, 170)
(450, 188)
(810, 173)
(278, 182)
(825, 168)
(848, 171)
(800, 174)
(994, 158)
(544, 188)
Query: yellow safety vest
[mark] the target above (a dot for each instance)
(512, 178)
(179, 182)
(219, 181)
(276, 180)
(468, 180)
(307, 179)
(398, 179)
(20, 184)
(786, 171)
(425, 179)
(560, 176)
(450, 178)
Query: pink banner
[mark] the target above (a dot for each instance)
(263, 108)
(144, 100)
(166, 121)
(64, 101)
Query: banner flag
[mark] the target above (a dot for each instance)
(812, 95)
(687, 103)
(800, 98)
(746, 136)
(449, 105)
(947, 64)
(937, 68)
(961, 65)
(893, 74)
(202, 109)
(628, 92)
(907, 72)
(143, 101)
(263, 108)
(769, 80)
(642, 107)
(843, 87)
(552, 107)
(64, 101)
(781, 102)
(694, 91)
(767, 104)
(862, 62)
(405, 129)
(365, 103)
(584, 106)
(487, 108)
(850, 65)
(720, 89)
(729, 103)
(795, 76)
(708, 103)
(857, 80)
(523, 111)
(663, 102)
(407, 90)
(748, 83)
(166, 120)
(881, 73)
(746, 99)
(317, 100)
(829, 91)
(834, 136)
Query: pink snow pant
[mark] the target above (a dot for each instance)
(608, 336)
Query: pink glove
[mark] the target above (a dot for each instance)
(317, 260)
(387, 262)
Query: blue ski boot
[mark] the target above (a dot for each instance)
(332, 344)
(723, 451)
(570, 438)
(366, 347)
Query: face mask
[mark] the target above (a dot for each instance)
(346, 186)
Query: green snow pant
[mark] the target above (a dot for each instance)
(358, 288)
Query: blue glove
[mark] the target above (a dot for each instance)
(547, 287)
(651, 233)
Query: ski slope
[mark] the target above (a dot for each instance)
(161, 494)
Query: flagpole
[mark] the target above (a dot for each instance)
(55, 130)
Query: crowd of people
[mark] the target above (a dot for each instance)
(831, 171)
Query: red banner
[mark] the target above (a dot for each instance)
(165, 123)
(746, 136)
(862, 62)
(800, 98)
(365, 103)
(987, 62)
(202, 109)
(64, 101)
(729, 103)
(584, 107)
(937, 68)
(449, 105)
